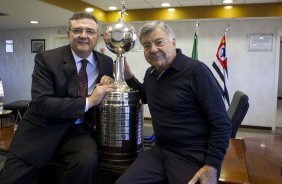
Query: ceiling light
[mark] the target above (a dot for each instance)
(89, 10)
(227, 1)
(33, 22)
(165, 4)
(171, 9)
(112, 8)
(228, 7)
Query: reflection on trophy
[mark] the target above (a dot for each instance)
(120, 126)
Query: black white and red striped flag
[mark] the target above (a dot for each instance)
(221, 68)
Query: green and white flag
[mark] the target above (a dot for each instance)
(195, 46)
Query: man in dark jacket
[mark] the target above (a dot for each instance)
(58, 124)
(190, 122)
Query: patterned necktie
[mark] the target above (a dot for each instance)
(83, 80)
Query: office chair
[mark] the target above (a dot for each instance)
(237, 110)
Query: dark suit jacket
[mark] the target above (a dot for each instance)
(55, 105)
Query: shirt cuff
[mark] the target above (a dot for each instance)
(86, 105)
(132, 80)
(215, 162)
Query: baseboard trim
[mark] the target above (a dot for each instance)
(255, 127)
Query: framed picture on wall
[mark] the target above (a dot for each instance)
(260, 42)
(37, 45)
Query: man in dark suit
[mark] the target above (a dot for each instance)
(58, 124)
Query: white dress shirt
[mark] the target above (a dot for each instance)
(92, 74)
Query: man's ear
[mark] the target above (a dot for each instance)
(174, 42)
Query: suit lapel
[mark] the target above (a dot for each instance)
(101, 65)
(71, 73)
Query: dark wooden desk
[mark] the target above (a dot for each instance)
(255, 160)
(264, 159)
(233, 171)
(6, 135)
(5, 114)
(234, 168)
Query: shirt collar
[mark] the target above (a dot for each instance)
(77, 59)
(177, 62)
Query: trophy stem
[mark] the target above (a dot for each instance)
(119, 73)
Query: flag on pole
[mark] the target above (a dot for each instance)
(220, 66)
(195, 45)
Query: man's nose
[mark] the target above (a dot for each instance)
(153, 48)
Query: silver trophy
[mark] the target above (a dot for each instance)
(120, 38)
(120, 126)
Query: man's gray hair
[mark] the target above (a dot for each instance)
(151, 26)
(82, 15)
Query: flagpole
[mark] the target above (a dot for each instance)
(227, 28)
(226, 69)
(195, 44)
(197, 26)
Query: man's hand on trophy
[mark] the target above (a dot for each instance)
(127, 71)
(99, 92)
(106, 80)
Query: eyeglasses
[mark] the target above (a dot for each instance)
(79, 31)
(158, 43)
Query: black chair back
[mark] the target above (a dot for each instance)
(237, 110)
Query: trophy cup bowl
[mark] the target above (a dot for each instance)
(120, 37)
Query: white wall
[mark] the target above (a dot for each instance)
(16, 68)
(280, 72)
(249, 71)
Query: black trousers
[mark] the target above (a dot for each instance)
(159, 166)
(77, 153)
